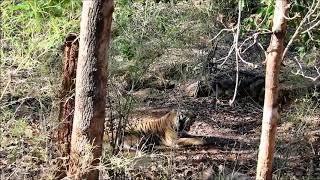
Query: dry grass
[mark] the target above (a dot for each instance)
(166, 41)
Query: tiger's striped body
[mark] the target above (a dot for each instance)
(158, 131)
(166, 130)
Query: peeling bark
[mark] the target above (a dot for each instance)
(66, 106)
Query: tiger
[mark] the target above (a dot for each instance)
(170, 130)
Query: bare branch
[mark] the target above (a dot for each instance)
(302, 23)
(236, 40)
(226, 57)
(311, 37)
(265, 52)
(221, 31)
(300, 71)
(312, 27)
(246, 62)
(255, 38)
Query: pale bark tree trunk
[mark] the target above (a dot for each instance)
(88, 124)
(270, 109)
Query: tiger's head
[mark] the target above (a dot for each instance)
(183, 121)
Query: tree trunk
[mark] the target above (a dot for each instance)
(88, 124)
(270, 109)
(66, 96)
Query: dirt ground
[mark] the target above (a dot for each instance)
(235, 132)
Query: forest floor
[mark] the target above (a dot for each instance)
(235, 130)
(162, 55)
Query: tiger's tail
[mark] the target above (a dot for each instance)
(192, 141)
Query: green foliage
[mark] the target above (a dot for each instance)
(125, 47)
(32, 32)
(34, 29)
(261, 17)
(304, 110)
(19, 128)
(304, 43)
(124, 3)
(142, 32)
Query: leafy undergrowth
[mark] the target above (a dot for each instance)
(156, 48)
